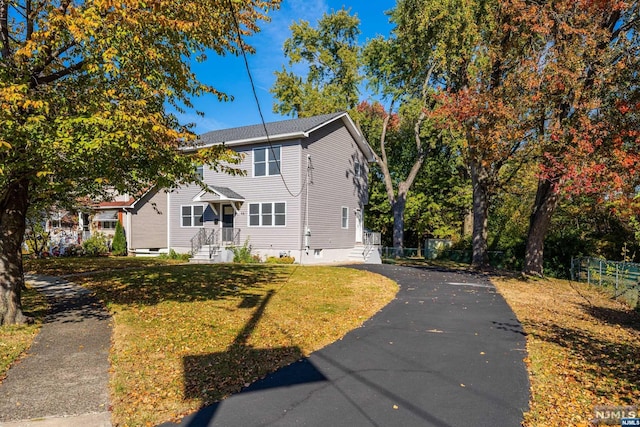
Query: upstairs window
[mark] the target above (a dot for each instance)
(357, 170)
(200, 171)
(266, 161)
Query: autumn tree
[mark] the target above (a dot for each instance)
(83, 91)
(329, 54)
(585, 100)
(486, 106)
(423, 54)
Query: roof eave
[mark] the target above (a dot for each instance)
(247, 141)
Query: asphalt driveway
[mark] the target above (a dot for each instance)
(448, 351)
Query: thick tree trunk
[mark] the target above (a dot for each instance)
(13, 211)
(480, 254)
(466, 227)
(543, 209)
(398, 208)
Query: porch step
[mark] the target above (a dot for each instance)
(373, 257)
(357, 254)
(202, 256)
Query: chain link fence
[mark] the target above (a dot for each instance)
(496, 258)
(621, 278)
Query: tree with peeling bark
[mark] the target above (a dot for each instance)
(402, 69)
(423, 55)
(83, 91)
(398, 162)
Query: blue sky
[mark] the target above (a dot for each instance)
(228, 74)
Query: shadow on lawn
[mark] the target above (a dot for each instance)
(211, 377)
(605, 358)
(626, 318)
(184, 283)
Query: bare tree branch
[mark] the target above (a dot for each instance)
(35, 80)
(52, 56)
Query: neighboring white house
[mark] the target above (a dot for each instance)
(303, 195)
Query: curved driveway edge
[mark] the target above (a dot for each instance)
(63, 379)
(447, 351)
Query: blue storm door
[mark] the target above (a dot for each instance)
(227, 223)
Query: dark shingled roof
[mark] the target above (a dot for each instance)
(226, 192)
(257, 131)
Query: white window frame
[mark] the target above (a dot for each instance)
(357, 169)
(261, 214)
(109, 225)
(200, 171)
(192, 216)
(344, 217)
(268, 152)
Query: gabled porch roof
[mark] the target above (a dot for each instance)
(218, 194)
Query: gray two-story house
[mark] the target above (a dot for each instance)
(303, 195)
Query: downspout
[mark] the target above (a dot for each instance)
(168, 221)
(127, 229)
(307, 230)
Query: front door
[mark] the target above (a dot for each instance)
(227, 223)
(358, 225)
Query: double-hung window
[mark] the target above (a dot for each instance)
(200, 171)
(345, 217)
(267, 214)
(357, 169)
(266, 161)
(192, 215)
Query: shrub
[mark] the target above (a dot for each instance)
(242, 255)
(74, 250)
(174, 255)
(95, 245)
(119, 243)
(280, 260)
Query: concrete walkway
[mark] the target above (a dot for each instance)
(447, 352)
(63, 380)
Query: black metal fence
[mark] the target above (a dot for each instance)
(622, 278)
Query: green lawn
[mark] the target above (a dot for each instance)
(188, 335)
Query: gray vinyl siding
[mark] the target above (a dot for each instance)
(149, 221)
(333, 186)
(253, 190)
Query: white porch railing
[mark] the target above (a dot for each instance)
(371, 241)
(214, 238)
(205, 237)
